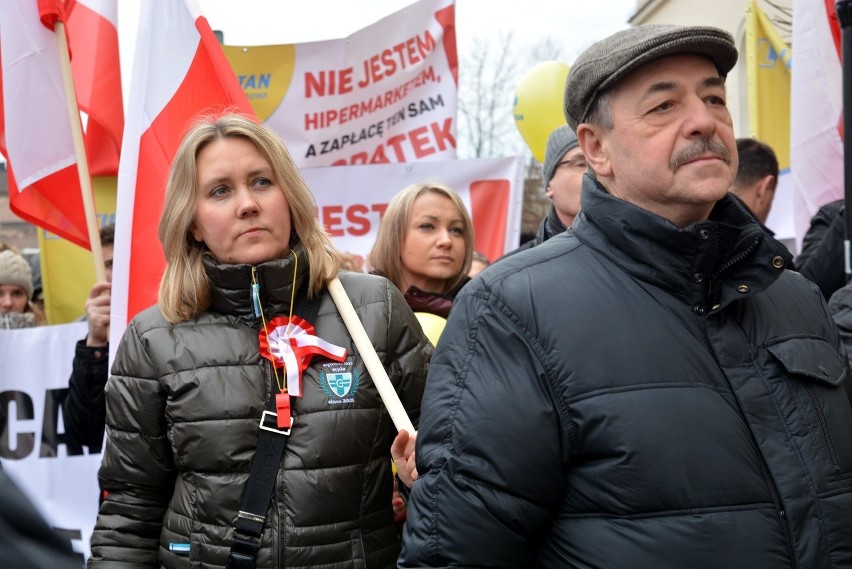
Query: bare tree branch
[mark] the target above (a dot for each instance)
(488, 77)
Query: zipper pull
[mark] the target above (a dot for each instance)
(255, 294)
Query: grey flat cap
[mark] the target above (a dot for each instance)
(606, 62)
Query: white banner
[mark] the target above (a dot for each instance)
(60, 479)
(387, 93)
(352, 199)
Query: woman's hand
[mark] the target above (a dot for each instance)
(402, 452)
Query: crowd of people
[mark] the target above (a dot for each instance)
(646, 383)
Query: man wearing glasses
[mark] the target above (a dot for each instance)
(562, 174)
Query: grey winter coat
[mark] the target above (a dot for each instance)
(183, 405)
(635, 395)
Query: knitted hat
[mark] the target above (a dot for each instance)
(560, 141)
(14, 270)
(606, 62)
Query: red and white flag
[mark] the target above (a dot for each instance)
(179, 73)
(816, 105)
(93, 39)
(35, 132)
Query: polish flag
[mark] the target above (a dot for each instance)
(35, 132)
(816, 106)
(93, 40)
(179, 74)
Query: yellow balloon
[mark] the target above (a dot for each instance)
(432, 325)
(538, 104)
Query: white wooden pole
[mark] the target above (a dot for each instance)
(371, 359)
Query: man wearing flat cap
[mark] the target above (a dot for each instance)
(652, 389)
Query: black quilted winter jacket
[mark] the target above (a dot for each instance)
(635, 395)
(183, 405)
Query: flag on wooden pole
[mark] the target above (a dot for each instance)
(35, 131)
(169, 88)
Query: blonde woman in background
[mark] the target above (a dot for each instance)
(425, 246)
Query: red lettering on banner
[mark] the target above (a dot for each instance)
(355, 215)
(443, 134)
(356, 220)
(317, 85)
(331, 220)
(331, 82)
(395, 142)
(420, 142)
(417, 143)
(399, 57)
(380, 208)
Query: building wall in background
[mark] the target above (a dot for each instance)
(728, 15)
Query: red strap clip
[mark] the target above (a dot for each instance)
(282, 409)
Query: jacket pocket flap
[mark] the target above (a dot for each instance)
(812, 357)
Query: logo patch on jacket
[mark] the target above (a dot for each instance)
(339, 381)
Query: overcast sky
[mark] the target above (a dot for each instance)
(574, 23)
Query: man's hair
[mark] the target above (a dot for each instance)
(757, 160)
(600, 113)
(185, 288)
(107, 235)
(386, 255)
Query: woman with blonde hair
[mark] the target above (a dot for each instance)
(425, 246)
(246, 346)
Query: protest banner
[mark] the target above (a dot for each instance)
(57, 475)
(387, 93)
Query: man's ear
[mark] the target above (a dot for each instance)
(595, 149)
(765, 188)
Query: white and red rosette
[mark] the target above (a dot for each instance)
(291, 343)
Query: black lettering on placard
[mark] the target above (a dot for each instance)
(22, 405)
(50, 436)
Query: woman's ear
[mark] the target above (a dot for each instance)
(593, 141)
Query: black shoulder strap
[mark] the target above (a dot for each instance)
(248, 527)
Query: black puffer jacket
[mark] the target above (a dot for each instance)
(635, 395)
(821, 259)
(84, 409)
(183, 405)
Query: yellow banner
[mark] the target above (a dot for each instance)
(68, 270)
(768, 61)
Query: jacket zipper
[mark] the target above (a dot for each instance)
(825, 434)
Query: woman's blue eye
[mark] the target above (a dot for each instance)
(457, 230)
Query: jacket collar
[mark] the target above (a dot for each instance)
(550, 226)
(420, 300)
(230, 285)
(709, 263)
